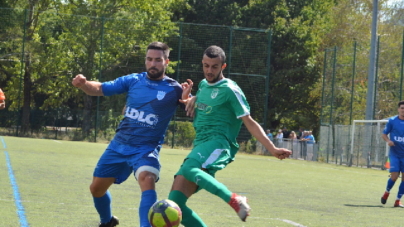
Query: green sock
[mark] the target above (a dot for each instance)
(192, 172)
(189, 217)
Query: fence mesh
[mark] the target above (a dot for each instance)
(41, 60)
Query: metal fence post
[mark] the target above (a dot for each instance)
(97, 115)
(267, 78)
(353, 81)
(178, 77)
(21, 71)
(402, 69)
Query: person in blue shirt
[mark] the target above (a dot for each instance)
(310, 138)
(269, 134)
(395, 129)
(151, 101)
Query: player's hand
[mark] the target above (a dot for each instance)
(281, 153)
(79, 80)
(186, 90)
(186, 99)
(390, 143)
(190, 106)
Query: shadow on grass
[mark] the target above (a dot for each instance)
(353, 205)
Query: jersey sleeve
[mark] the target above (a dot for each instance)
(388, 127)
(119, 85)
(238, 102)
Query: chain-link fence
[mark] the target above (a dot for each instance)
(344, 96)
(39, 58)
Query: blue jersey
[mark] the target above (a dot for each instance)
(395, 127)
(150, 106)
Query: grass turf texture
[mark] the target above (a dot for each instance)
(53, 179)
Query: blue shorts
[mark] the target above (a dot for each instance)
(396, 164)
(114, 164)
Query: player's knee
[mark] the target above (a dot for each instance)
(96, 191)
(146, 176)
(190, 171)
(147, 173)
(394, 176)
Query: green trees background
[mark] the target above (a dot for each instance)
(67, 34)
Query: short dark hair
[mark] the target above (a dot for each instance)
(214, 52)
(400, 103)
(160, 46)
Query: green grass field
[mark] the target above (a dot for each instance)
(53, 178)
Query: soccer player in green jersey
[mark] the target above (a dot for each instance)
(220, 108)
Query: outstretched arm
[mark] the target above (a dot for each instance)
(255, 129)
(92, 88)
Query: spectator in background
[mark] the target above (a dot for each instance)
(300, 133)
(292, 135)
(2, 100)
(279, 138)
(285, 133)
(269, 134)
(310, 138)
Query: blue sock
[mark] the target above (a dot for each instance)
(390, 184)
(400, 190)
(103, 206)
(149, 197)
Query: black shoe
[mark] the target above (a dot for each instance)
(113, 222)
(384, 197)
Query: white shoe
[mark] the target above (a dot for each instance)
(239, 204)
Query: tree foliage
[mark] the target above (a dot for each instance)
(298, 28)
(43, 44)
(59, 39)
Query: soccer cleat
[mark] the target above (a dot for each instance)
(384, 197)
(239, 204)
(113, 222)
(398, 204)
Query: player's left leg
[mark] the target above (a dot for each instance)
(181, 191)
(146, 182)
(147, 170)
(400, 193)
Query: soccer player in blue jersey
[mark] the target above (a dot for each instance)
(151, 101)
(220, 109)
(395, 127)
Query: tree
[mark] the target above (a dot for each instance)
(60, 42)
(298, 28)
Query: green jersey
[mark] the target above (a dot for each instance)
(219, 108)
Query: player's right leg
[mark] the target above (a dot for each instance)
(394, 173)
(102, 200)
(111, 168)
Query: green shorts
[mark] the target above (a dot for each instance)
(212, 155)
